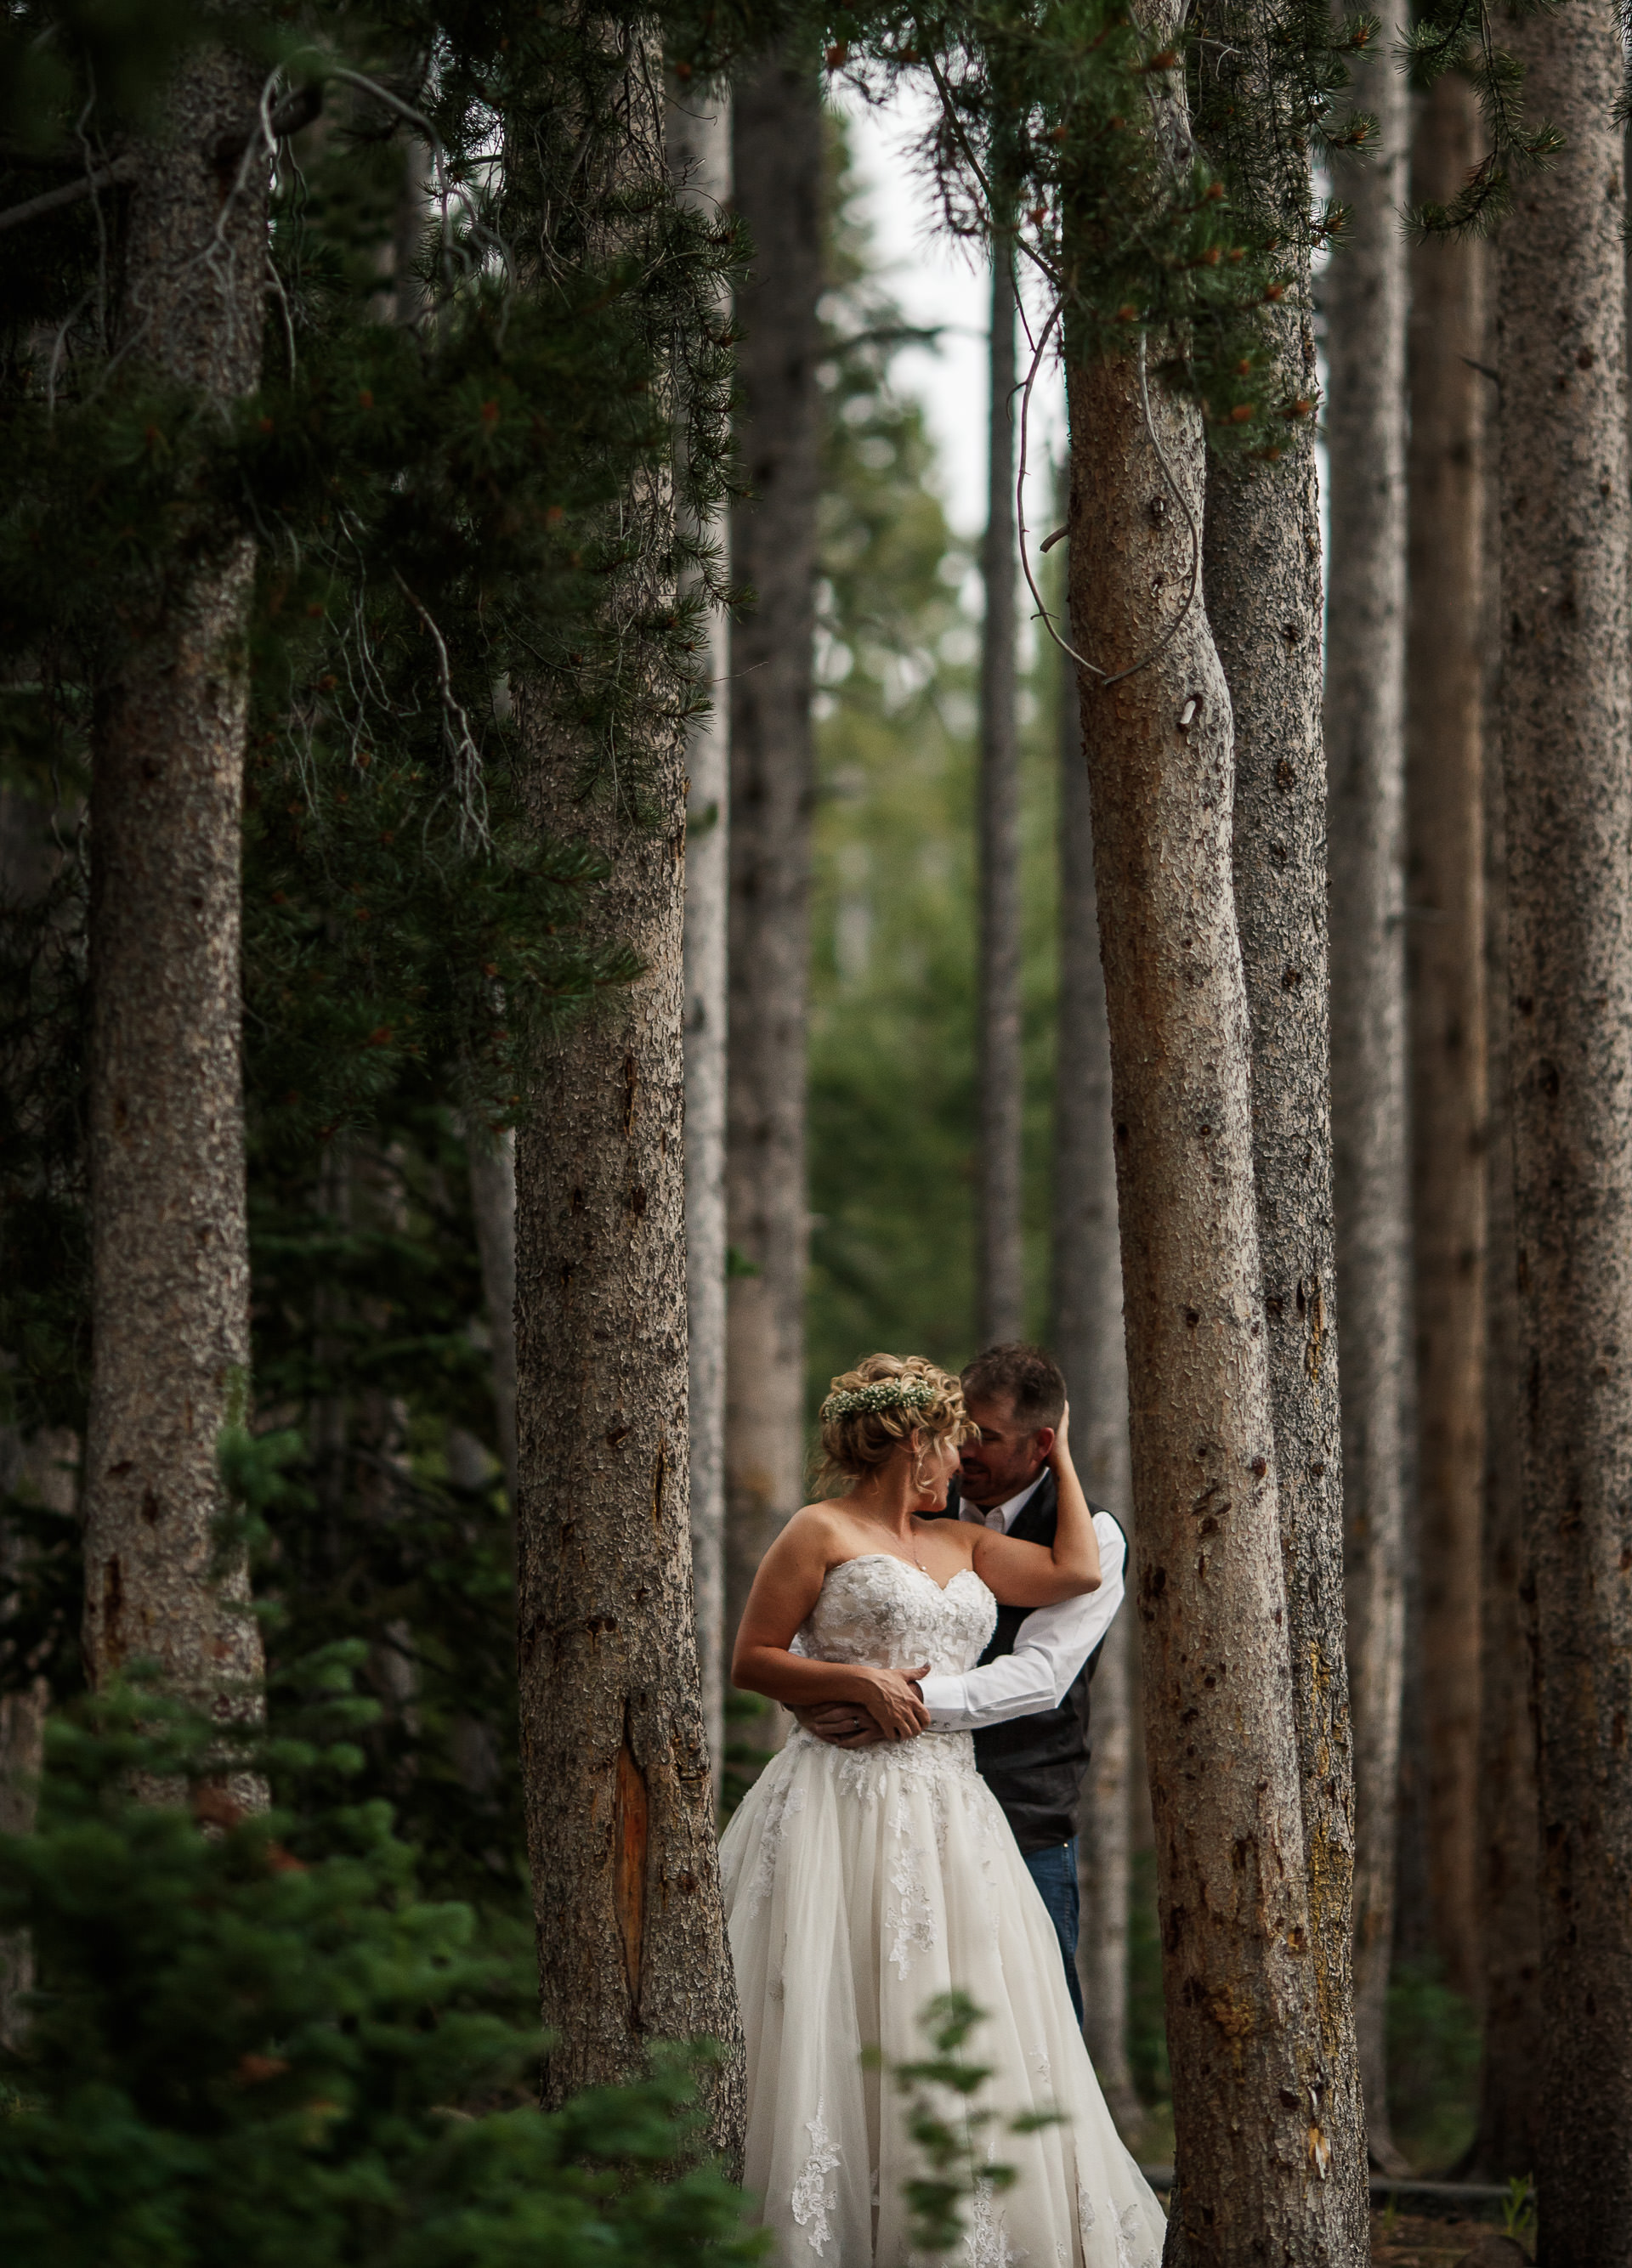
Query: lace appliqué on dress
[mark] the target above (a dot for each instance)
(1128, 2230)
(786, 1803)
(812, 2200)
(911, 1923)
(985, 2242)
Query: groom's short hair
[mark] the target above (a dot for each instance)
(1025, 1376)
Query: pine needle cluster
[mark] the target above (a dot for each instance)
(1136, 202)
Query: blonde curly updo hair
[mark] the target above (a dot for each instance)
(872, 1409)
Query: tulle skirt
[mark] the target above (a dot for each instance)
(859, 1886)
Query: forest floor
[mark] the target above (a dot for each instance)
(1403, 2240)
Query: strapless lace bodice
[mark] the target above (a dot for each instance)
(879, 1610)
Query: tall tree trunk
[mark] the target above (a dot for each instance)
(1446, 666)
(1000, 1289)
(699, 154)
(1220, 1729)
(1510, 2089)
(170, 1265)
(1567, 704)
(777, 160)
(1262, 567)
(1088, 1342)
(631, 1928)
(492, 1205)
(1366, 300)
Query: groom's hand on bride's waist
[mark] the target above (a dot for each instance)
(840, 1723)
(844, 1724)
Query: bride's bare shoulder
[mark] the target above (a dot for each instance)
(817, 1523)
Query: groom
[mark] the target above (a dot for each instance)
(1026, 1700)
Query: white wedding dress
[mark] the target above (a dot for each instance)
(858, 1884)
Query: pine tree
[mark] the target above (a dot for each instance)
(699, 156)
(170, 1264)
(1567, 702)
(1262, 573)
(1505, 2143)
(1000, 1289)
(620, 1821)
(1208, 1583)
(1086, 1333)
(777, 169)
(1366, 298)
(1445, 931)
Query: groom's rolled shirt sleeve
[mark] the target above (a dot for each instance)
(1051, 1647)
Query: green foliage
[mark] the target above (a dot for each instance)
(433, 501)
(253, 2041)
(1058, 134)
(949, 2137)
(1519, 2210)
(892, 1067)
(1433, 2065)
(1458, 36)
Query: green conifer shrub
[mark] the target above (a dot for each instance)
(253, 2042)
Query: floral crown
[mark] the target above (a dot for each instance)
(882, 1394)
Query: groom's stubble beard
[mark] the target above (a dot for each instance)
(993, 1483)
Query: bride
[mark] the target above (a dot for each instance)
(862, 1882)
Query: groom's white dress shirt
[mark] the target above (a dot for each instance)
(1051, 1645)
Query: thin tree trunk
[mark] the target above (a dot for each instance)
(1366, 301)
(1509, 2092)
(1088, 1346)
(1262, 566)
(699, 153)
(170, 1267)
(1219, 1723)
(22, 1756)
(777, 146)
(1445, 645)
(1000, 1287)
(40, 1467)
(1567, 704)
(626, 1881)
(492, 1206)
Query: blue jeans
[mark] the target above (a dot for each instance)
(1055, 1873)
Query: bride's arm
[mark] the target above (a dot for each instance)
(1036, 1574)
(785, 1588)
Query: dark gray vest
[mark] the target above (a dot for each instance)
(1036, 1765)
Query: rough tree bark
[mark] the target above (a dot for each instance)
(1366, 299)
(620, 1825)
(699, 155)
(1086, 1333)
(1220, 1733)
(170, 1267)
(1000, 1291)
(1444, 691)
(777, 172)
(1509, 2130)
(1262, 568)
(1567, 704)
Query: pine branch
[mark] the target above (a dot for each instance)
(72, 193)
